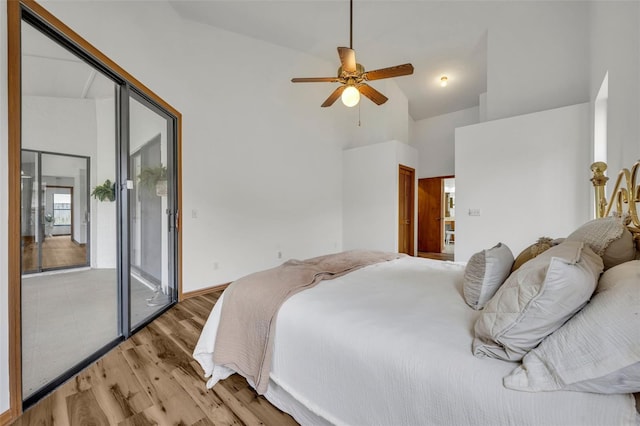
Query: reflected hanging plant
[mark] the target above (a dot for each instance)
(105, 192)
(154, 179)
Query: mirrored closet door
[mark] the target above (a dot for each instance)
(98, 209)
(69, 246)
(151, 230)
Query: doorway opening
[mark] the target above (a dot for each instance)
(436, 218)
(54, 211)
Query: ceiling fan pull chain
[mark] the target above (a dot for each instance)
(358, 115)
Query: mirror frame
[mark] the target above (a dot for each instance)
(14, 22)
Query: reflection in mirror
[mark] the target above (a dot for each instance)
(151, 286)
(55, 211)
(69, 282)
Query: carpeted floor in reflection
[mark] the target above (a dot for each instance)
(68, 316)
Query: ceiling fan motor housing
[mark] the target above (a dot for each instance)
(357, 73)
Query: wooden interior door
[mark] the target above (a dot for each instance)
(406, 206)
(430, 225)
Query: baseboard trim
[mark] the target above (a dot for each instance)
(205, 290)
(5, 418)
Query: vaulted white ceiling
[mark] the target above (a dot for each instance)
(437, 37)
(446, 37)
(50, 70)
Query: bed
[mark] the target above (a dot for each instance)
(391, 344)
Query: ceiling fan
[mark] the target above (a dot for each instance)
(353, 77)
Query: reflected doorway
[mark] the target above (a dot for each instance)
(55, 211)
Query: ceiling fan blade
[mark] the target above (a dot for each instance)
(371, 93)
(397, 71)
(347, 58)
(315, 80)
(333, 97)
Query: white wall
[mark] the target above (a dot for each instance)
(434, 139)
(103, 213)
(615, 40)
(262, 160)
(538, 60)
(370, 194)
(482, 107)
(379, 123)
(66, 126)
(528, 175)
(4, 208)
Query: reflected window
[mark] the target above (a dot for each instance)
(61, 209)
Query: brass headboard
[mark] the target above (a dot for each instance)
(625, 195)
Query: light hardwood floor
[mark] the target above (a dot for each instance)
(57, 251)
(436, 256)
(151, 379)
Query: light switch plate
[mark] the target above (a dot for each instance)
(474, 212)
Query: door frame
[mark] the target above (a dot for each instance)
(15, 9)
(441, 217)
(412, 206)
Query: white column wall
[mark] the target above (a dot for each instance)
(528, 175)
(370, 197)
(615, 41)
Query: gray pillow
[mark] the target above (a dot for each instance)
(484, 274)
(536, 300)
(598, 350)
(609, 238)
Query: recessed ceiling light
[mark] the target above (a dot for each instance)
(443, 81)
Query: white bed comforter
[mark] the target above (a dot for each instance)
(390, 344)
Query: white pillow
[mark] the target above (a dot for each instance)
(598, 350)
(536, 300)
(484, 274)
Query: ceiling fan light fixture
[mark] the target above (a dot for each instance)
(353, 78)
(350, 96)
(444, 80)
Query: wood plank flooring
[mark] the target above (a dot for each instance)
(151, 379)
(436, 256)
(57, 251)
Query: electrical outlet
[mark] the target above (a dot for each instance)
(474, 212)
(194, 214)
(215, 266)
(279, 255)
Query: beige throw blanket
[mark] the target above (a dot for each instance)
(244, 339)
